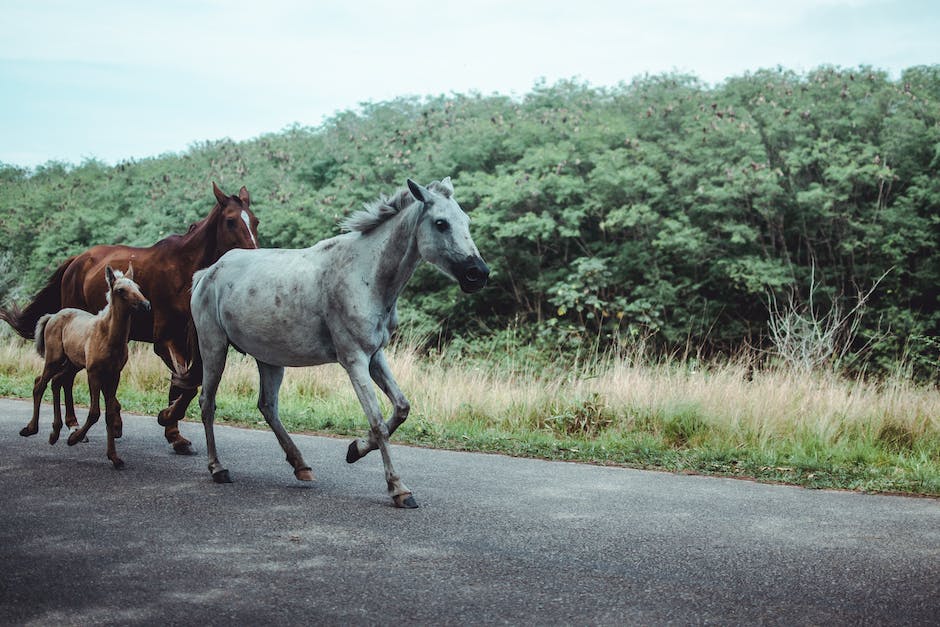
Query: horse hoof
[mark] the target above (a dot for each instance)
(221, 476)
(53, 437)
(405, 501)
(352, 453)
(304, 474)
(183, 448)
(73, 440)
(28, 431)
(118, 463)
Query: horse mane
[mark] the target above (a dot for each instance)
(383, 209)
(378, 211)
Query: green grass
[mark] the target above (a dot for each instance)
(817, 431)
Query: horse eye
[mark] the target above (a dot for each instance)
(441, 225)
(230, 223)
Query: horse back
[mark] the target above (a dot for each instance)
(66, 334)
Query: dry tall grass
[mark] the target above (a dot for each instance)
(609, 393)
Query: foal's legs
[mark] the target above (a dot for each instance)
(64, 379)
(94, 410)
(271, 377)
(112, 415)
(56, 410)
(382, 375)
(49, 370)
(68, 382)
(358, 369)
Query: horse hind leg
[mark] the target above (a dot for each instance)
(68, 383)
(39, 388)
(213, 365)
(179, 399)
(56, 410)
(271, 378)
(184, 385)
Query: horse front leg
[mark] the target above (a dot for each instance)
(382, 375)
(358, 370)
(184, 382)
(112, 416)
(271, 377)
(94, 410)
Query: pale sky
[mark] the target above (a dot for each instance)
(129, 79)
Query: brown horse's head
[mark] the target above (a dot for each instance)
(235, 225)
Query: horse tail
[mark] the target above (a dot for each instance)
(192, 338)
(197, 276)
(192, 342)
(48, 300)
(41, 334)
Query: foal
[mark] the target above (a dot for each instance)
(73, 339)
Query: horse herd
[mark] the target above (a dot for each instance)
(194, 295)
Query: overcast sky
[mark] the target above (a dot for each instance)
(127, 79)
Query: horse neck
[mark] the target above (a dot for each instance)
(397, 256)
(199, 246)
(117, 318)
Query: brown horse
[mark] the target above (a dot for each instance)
(164, 272)
(73, 339)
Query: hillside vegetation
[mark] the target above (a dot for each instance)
(796, 214)
(737, 279)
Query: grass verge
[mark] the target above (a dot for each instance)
(817, 431)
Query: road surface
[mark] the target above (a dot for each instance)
(496, 540)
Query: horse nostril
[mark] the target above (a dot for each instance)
(473, 275)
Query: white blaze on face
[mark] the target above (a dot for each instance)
(247, 222)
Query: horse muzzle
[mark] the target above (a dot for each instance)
(473, 275)
(143, 305)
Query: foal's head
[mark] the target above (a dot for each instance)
(236, 226)
(444, 236)
(122, 289)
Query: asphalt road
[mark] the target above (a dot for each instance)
(496, 540)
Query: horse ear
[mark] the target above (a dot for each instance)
(448, 186)
(418, 191)
(130, 271)
(243, 195)
(109, 276)
(219, 194)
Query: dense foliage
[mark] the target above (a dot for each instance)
(661, 208)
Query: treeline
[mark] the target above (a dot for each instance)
(690, 215)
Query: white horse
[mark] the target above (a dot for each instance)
(334, 302)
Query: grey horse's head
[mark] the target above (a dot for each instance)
(443, 235)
